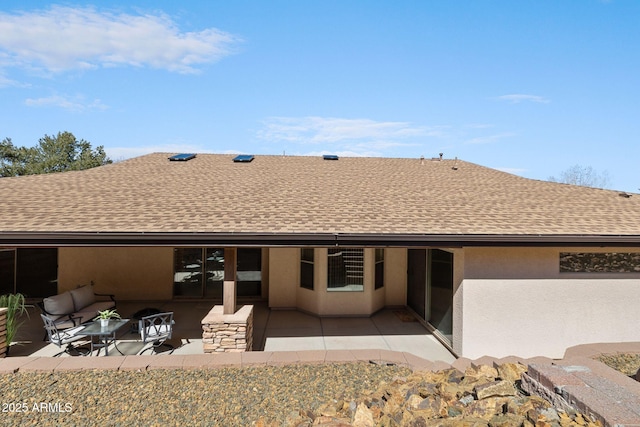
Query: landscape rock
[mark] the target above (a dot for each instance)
(482, 396)
(363, 417)
(511, 371)
(496, 388)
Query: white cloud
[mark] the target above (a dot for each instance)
(77, 103)
(65, 38)
(341, 153)
(517, 98)
(514, 171)
(318, 130)
(7, 82)
(489, 138)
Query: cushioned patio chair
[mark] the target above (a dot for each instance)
(155, 330)
(64, 337)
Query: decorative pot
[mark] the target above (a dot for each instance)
(104, 323)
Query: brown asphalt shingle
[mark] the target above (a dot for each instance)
(277, 194)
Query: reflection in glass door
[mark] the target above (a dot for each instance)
(199, 272)
(7, 271)
(249, 272)
(187, 272)
(440, 292)
(214, 268)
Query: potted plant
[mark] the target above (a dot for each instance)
(105, 315)
(15, 305)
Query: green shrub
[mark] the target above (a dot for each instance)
(16, 306)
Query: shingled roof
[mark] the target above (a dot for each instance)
(365, 199)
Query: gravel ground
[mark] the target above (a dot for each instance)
(225, 397)
(627, 363)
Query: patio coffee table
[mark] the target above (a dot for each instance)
(105, 335)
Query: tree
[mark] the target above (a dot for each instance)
(59, 153)
(585, 176)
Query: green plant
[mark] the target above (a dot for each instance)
(15, 305)
(107, 314)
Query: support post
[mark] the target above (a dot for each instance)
(229, 290)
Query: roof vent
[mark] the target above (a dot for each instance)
(182, 157)
(243, 158)
(330, 157)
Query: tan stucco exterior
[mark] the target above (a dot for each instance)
(285, 272)
(515, 301)
(129, 273)
(505, 300)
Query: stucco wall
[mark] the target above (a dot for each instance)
(395, 276)
(284, 277)
(458, 277)
(129, 273)
(514, 301)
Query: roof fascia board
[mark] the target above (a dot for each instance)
(308, 239)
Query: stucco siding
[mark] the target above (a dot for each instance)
(516, 301)
(395, 276)
(129, 273)
(284, 277)
(458, 277)
(531, 318)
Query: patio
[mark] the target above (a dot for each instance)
(274, 330)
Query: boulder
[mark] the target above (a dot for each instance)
(496, 388)
(511, 371)
(363, 417)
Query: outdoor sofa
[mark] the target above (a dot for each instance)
(71, 308)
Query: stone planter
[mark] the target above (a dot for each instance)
(228, 332)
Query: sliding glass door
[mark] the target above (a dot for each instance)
(430, 288)
(199, 272)
(32, 272)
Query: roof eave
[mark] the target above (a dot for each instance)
(80, 239)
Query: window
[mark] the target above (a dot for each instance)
(195, 278)
(32, 272)
(199, 272)
(379, 280)
(306, 268)
(345, 269)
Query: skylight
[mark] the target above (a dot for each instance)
(243, 158)
(330, 157)
(182, 157)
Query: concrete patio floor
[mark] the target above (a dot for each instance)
(274, 331)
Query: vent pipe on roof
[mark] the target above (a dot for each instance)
(422, 160)
(455, 164)
(441, 154)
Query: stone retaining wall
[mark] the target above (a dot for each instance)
(3, 332)
(228, 332)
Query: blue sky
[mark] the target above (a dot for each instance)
(529, 87)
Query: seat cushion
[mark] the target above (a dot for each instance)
(156, 332)
(91, 312)
(59, 304)
(82, 297)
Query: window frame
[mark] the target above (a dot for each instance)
(307, 261)
(378, 276)
(341, 270)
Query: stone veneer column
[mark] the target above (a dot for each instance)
(228, 332)
(3, 332)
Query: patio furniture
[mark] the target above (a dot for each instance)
(155, 330)
(61, 337)
(106, 335)
(147, 311)
(71, 308)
